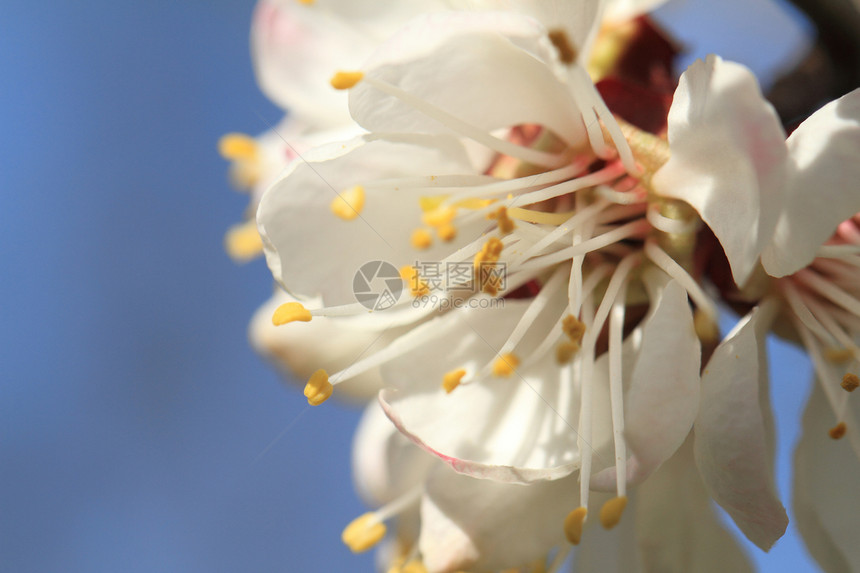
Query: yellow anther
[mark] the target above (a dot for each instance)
(837, 431)
(573, 525)
(489, 253)
(566, 51)
(439, 216)
(573, 328)
(838, 355)
(318, 389)
(566, 350)
(505, 223)
(850, 382)
(421, 239)
(452, 379)
(242, 242)
(363, 533)
(428, 204)
(417, 286)
(349, 203)
(505, 365)
(306, 2)
(447, 232)
(707, 329)
(237, 147)
(346, 80)
(473, 203)
(291, 312)
(610, 513)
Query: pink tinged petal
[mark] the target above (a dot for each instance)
(313, 253)
(822, 189)
(519, 429)
(676, 526)
(460, 63)
(475, 525)
(826, 504)
(295, 50)
(385, 465)
(663, 396)
(728, 158)
(734, 446)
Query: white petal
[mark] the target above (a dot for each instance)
(728, 158)
(578, 19)
(385, 465)
(676, 527)
(663, 396)
(822, 186)
(300, 349)
(485, 526)
(826, 504)
(313, 253)
(620, 10)
(296, 49)
(518, 429)
(461, 62)
(734, 445)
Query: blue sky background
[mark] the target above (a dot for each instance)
(138, 432)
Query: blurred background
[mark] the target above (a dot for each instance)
(138, 431)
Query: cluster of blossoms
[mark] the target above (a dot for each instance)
(607, 208)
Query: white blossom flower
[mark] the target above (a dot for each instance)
(451, 172)
(791, 202)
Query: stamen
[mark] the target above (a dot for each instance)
(452, 379)
(573, 524)
(349, 204)
(504, 223)
(600, 241)
(417, 286)
(565, 351)
(421, 239)
(242, 242)
(485, 262)
(668, 225)
(838, 355)
(346, 80)
(306, 2)
(605, 175)
(610, 513)
(447, 233)
(567, 53)
(237, 147)
(505, 365)
(677, 272)
(363, 533)
(837, 432)
(850, 382)
(318, 389)
(439, 216)
(573, 328)
(290, 312)
(707, 329)
(830, 291)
